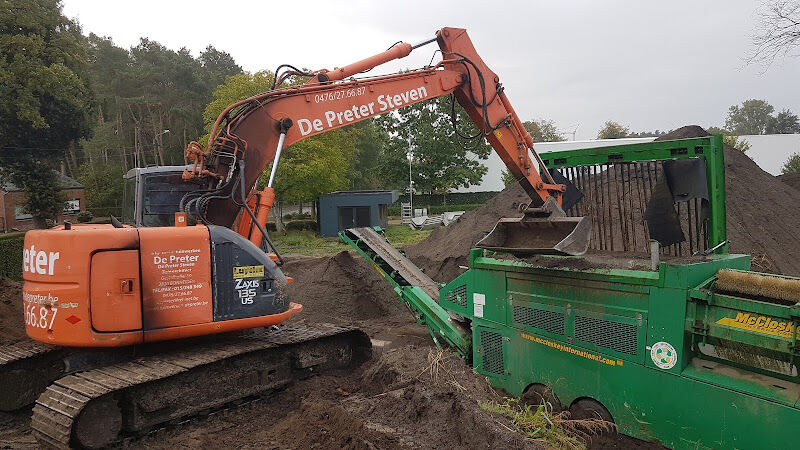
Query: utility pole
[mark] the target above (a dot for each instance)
(157, 144)
(410, 155)
(136, 147)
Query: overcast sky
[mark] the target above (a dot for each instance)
(646, 64)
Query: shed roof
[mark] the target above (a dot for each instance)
(387, 197)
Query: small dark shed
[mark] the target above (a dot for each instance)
(347, 209)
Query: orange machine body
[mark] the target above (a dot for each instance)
(100, 286)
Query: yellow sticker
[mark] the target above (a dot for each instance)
(248, 271)
(759, 324)
(564, 348)
(498, 134)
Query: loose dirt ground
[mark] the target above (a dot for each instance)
(410, 395)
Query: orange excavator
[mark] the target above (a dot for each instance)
(127, 317)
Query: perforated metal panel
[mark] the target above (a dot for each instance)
(549, 321)
(492, 357)
(620, 337)
(457, 295)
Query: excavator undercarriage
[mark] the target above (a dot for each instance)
(105, 402)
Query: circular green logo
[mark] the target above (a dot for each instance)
(663, 355)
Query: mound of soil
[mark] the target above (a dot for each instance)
(412, 397)
(792, 179)
(441, 253)
(762, 216)
(12, 318)
(763, 210)
(342, 287)
(346, 290)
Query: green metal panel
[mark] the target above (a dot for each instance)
(688, 402)
(680, 411)
(455, 296)
(709, 148)
(491, 357)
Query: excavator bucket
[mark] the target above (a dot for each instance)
(541, 231)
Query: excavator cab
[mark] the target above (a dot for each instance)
(152, 195)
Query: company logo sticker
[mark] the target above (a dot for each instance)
(248, 271)
(759, 324)
(663, 355)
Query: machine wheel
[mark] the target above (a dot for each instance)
(589, 408)
(538, 394)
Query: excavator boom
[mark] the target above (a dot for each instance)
(256, 130)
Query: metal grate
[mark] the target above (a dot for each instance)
(615, 196)
(620, 337)
(492, 357)
(458, 295)
(550, 321)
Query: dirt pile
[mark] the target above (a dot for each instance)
(762, 216)
(342, 287)
(12, 318)
(792, 179)
(441, 253)
(413, 397)
(346, 290)
(763, 211)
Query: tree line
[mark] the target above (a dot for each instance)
(82, 104)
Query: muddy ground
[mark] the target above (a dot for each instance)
(410, 395)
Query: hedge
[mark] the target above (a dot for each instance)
(436, 209)
(455, 198)
(11, 255)
(302, 225)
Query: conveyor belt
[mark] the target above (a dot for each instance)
(405, 272)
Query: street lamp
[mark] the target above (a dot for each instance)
(157, 136)
(410, 156)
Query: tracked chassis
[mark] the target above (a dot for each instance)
(100, 406)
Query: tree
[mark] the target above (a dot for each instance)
(442, 161)
(543, 130)
(784, 123)
(777, 31)
(307, 169)
(613, 130)
(507, 177)
(792, 165)
(752, 117)
(735, 142)
(217, 65)
(45, 98)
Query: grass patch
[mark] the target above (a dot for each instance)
(400, 235)
(309, 244)
(541, 424)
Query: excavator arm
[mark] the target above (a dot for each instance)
(251, 134)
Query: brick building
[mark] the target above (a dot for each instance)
(11, 199)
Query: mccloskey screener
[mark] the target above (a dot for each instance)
(693, 350)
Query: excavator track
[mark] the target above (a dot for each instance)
(17, 362)
(102, 406)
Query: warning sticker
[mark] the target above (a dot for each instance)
(248, 271)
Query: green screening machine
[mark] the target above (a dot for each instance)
(656, 328)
